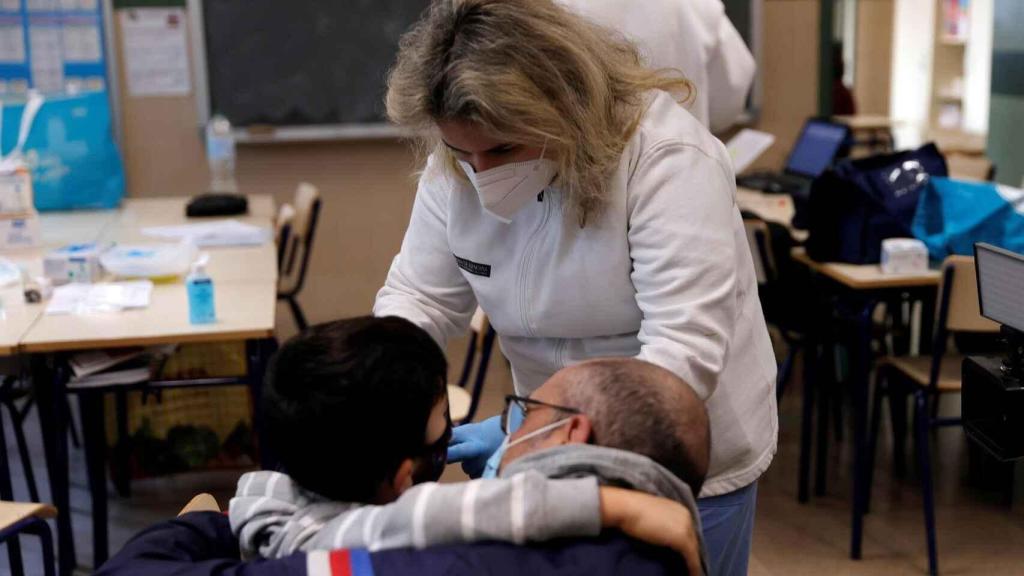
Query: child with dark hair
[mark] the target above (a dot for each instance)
(374, 390)
(357, 412)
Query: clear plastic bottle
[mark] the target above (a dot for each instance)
(220, 153)
(199, 287)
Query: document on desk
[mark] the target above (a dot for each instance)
(217, 233)
(747, 146)
(99, 298)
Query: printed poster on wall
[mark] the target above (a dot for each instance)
(51, 45)
(155, 51)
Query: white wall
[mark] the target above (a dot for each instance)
(913, 47)
(978, 67)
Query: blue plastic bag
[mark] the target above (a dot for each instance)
(70, 151)
(952, 215)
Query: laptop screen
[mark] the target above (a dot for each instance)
(816, 148)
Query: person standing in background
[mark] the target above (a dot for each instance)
(692, 36)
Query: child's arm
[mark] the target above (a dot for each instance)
(527, 506)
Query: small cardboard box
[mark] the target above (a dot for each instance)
(19, 231)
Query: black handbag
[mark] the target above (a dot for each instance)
(217, 205)
(858, 203)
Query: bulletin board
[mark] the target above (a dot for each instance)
(52, 46)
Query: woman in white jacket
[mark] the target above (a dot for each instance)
(571, 195)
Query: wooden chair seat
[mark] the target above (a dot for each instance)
(13, 512)
(201, 503)
(459, 401)
(918, 369)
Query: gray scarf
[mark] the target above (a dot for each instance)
(612, 467)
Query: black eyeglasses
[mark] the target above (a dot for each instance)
(524, 405)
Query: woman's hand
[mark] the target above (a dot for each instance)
(654, 520)
(473, 444)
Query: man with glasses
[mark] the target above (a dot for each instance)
(626, 423)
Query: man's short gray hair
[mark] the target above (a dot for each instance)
(639, 407)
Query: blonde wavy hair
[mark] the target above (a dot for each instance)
(529, 72)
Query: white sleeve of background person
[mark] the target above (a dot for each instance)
(730, 74)
(434, 514)
(424, 284)
(683, 248)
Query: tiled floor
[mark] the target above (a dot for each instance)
(978, 532)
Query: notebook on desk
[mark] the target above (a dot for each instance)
(818, 146)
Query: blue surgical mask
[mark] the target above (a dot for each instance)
(491, 469)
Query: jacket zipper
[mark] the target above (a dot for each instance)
(524, 274)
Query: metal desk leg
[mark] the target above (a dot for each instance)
(48, 382)
(7, 493)
(860, 378)
(92, 417)
(258, 353)
(811, 374)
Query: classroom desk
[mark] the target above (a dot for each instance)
(246, 294)
(777, 208)
(849, 293)
(871, 131)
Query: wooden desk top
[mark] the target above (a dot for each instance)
(866, 122)
(244, 311)
(867, 276)
(776, 208)
(245, 285)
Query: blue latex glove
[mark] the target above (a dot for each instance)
(472, 444)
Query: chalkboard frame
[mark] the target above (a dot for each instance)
(270, 134)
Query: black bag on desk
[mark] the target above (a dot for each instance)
(859, 203)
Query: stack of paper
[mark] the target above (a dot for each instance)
(747, 146)
(94, 298)
(217, 233)
(123, 366)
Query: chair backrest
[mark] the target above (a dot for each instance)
(283, 234)
(294, 257)
(970, 167)
(959, 296)
(478, 358)
(758, 239)
(201, 503)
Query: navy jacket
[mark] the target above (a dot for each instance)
(201, 544)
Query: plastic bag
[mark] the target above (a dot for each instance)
(952, 215)
(149, 261)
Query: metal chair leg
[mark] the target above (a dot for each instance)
(785, 371)
(898, 417)
(7, 493)
(41, 529)
(881, 390)
(23, 453)
(922, 425)
(300, 317)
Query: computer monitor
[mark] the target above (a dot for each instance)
(1000, 285)
(817, 147)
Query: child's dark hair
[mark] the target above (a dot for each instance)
(345, 402)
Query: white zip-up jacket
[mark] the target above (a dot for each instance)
(692, 36)
(663, 274)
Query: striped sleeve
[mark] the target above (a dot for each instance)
(527, 507)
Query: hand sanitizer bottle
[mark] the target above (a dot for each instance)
(200, 293)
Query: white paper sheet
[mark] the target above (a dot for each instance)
(155, 51)
(12, 44)
(98, 298)
(216, 233)
(82, 43)
(47, 55)
(747, 146)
